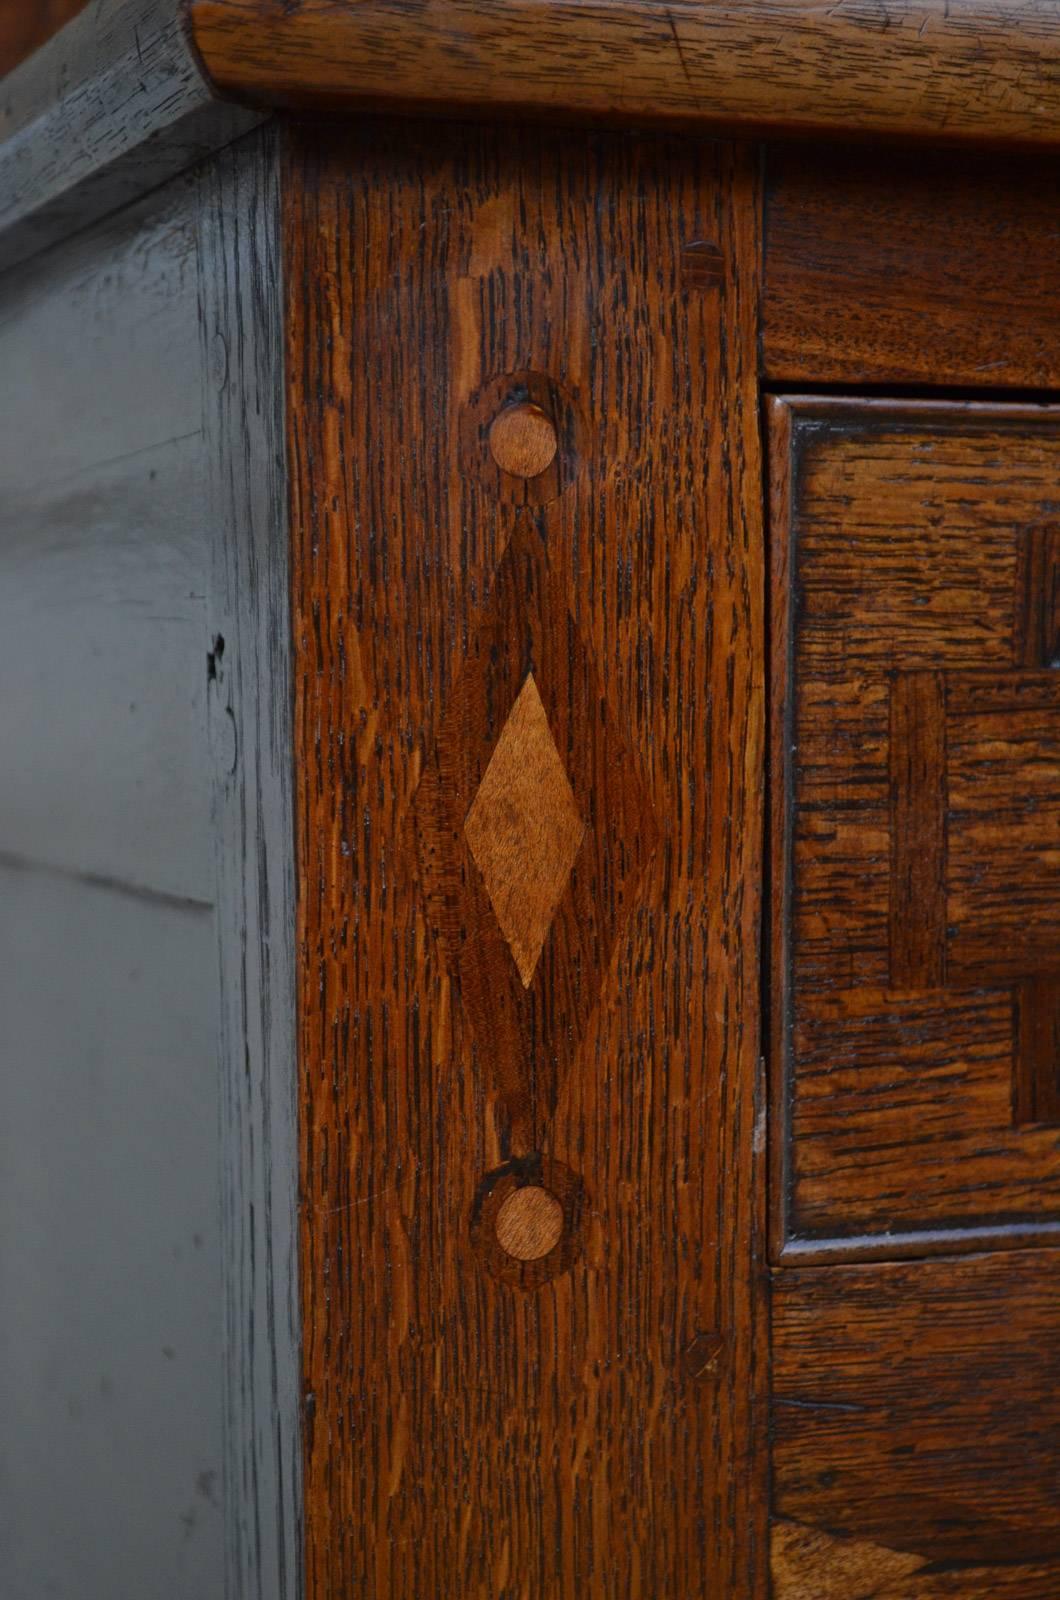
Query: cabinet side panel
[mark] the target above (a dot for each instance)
(250, 721)
(102, 530)
(110, 1262)
(529, 727)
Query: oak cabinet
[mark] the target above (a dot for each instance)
(917, 713)
(534, 663)
(916, 717)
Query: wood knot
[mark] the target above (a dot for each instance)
(529, 1223)
(523, 440)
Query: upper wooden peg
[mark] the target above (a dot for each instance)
(523, 440)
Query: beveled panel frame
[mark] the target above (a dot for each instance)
(800, 428)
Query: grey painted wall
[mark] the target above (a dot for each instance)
(149, 1381)
(110, 1376)
(111, 1277)
(104, 557)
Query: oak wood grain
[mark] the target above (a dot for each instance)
(910, 267)
(928, 69)
(915, 749)
(918, 770)
(1037, 633)
(1037, 1051)
(530, 1013)
(916, 1409)
(806, 1561)
(587, 1422)
(1002, 793)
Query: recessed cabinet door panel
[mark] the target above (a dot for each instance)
(916, 964)
(916, 615)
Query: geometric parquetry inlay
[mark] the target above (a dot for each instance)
(524, 829)
(534, 828)
(917, 726)
(975, 802)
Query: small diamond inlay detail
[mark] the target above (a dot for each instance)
(524, 829)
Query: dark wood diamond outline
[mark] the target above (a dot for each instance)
(527, 1036)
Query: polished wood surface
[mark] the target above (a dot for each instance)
(911, 267)
(916, 1415)
(926, 69)
(918, 746)
(532, 1326)
(131, 91)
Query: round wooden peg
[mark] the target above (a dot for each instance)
(523, 440)
(529, 1223)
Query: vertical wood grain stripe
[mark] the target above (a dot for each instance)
(1037, 1063)
(1036, 1068)
(541, 1436)
(1037, 634)
(918, 830)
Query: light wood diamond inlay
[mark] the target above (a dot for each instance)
(534, 828)
(524, 829)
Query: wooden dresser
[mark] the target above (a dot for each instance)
(530, 818)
